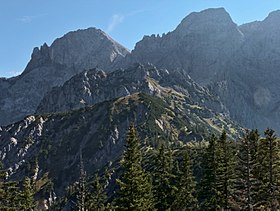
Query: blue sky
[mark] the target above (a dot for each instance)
(26, 24)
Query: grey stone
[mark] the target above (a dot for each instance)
(52, 66)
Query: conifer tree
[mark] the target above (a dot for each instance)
(82, 187)
(274, 169)
(9, 193)
(208, 193)
(135, 190)
(269, 171)
(96, 199)
(225, 172)
(27, 196)
(246, 184)
(163, 177)
(2, 190)
(185, 198)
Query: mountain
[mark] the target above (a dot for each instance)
(252, 76)
(79, 95)
(238, 63)
(52, 66)
(47, 147)
(90, 113)
(201, 45)
(94, 86)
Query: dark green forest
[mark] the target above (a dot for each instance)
(215, 174)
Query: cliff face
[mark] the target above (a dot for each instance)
(201, 45)
(82, 49)
(250, 86)
(94, 86)
(52, 66)
(238, 63)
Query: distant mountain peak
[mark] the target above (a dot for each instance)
(79, 49)
(214, 16)
(81, 45)
(273, 15)
(53, 65)
(90, 32)
(213, 12)
(210, 35)
(272, 22)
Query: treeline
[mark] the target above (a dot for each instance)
(217, 174)
(16, 195)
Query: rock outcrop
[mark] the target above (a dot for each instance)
(94, 86)
(52, 66)
(56, 140)
(240, 64)
(201, 45)
(250, 85)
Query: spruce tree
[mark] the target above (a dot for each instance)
(274, 169)
(81, 187)
(247, 184)
(163, 179)
(208, 185)
(185, 197)
(9, 193)
(225, 172)
(135, 190)
(96, 198)
(27, 196)
(2, 185)
(269, 171)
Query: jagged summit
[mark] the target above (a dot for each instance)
(274, 15)
(271, 22)
(80, 49)
(215, 18)
(87, 38)
(94, 86)
(200, 45)
(206, 45)
(212, 13)
(53, 65)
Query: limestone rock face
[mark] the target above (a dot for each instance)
(251, 90)
(94, 86)
(86, 49)
(201, 45)
(52, 66)
(240, 64)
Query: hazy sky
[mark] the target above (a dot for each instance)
(26, 24)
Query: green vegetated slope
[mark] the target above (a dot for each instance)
(51, 144)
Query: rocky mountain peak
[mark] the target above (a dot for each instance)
(214, 19)
(53, 65)
(272, 24)
(79, 48)
(39, 53)
(141, 71)
(263, 28)
(94, 86)
(201, 45)
(273, 16)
